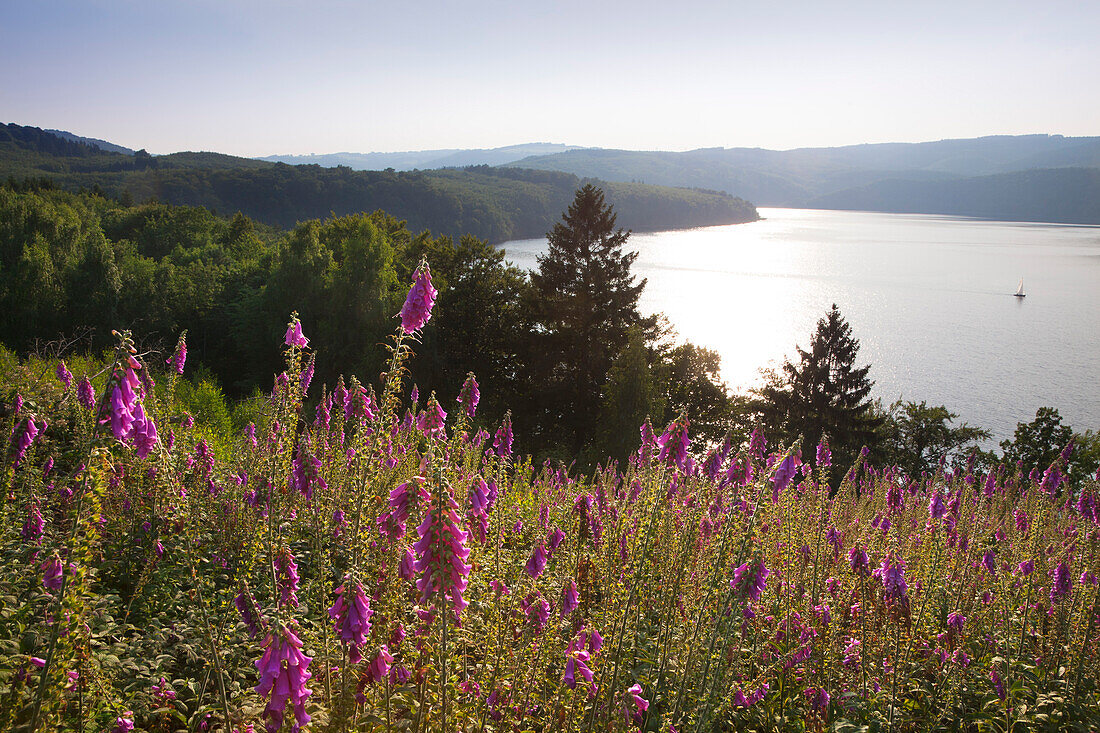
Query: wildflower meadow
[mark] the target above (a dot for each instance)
(363, 557)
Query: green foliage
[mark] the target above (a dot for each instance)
(585, 301)
(1036, 445)
(918, 437)
(823, 395)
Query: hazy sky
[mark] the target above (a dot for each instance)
(256, 78)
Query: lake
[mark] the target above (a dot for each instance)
(930, 299)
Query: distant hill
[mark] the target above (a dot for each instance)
(496, 204)
(423, 159)
(1067, 195)
(95, 142)
(809, 176)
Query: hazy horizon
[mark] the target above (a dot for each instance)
(254, 78)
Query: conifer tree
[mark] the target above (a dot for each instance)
(824, 394)
(586, 300)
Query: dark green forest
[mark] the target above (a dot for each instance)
(495, 204)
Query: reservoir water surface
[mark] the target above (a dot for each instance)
(930, 299)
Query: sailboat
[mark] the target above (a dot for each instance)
(1020, 290)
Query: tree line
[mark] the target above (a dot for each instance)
(565, 349)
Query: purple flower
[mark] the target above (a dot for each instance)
(442, 554)
(955, 621)
(469, 395)
(250, 614)
(379, 667)
(34, 526)
(537, 562)
(352, 618)
(124, 723)
(998, 684)
(570, 599)
(1061, 582)
(418, 303)
(818, 699)
(936, 508)
(26, 439)
(52, 572)
(287, 575)
(294, 336)
(784, 474)
(143, 431)
(432, 421)
(824, 455)
(1026, 567)
(64, 375)
(749, 579)
(989, 562)
(859, 562)
(403, 501)
(640, 703)
(576, 662)
(283, 674)
(892, 575)
(307, 373)
(537, 610)
(304, 475)
(502, 444)
(674, 443)
(85, 394)
(179, 358)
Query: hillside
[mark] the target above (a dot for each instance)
(423, 159)
(1067, 195)
(495, 204)
(811, 176)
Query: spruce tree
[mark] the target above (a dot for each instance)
(824, 394)
(586, 300)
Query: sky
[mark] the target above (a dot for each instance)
(268, 77)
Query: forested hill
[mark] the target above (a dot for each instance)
(492, 203)
(1031, 177)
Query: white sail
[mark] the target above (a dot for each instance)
(1020, 289)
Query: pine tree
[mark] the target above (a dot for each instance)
(824, 394)
(586, 300)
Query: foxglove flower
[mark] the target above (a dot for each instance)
(818, 699)
(749, 579)
(26, 439)
(502, 443)
(379, 667)
(294, 336)
(85, 394)
(284, 672)
(287, 575)
(305, 477)
(936, 508)
(64, 375)
(418, 303)
(640, 703)
(143, 432)
(352, 618)
(570, 599)
(824, 455)
(34, 526)
(403, 501)
(989, 562)
(674, 442)
(998, 684)
(432, 421)
(124, 723)
(179, 358)
(649, 441)
(537, 562)
(1061, 582)
(470, 395)
(250, 614)
(859, 562)
(892, 575)
(441, 556)
(307, 373)
(52, 573)
(784, 474)
(537, 610)
(955, 621)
